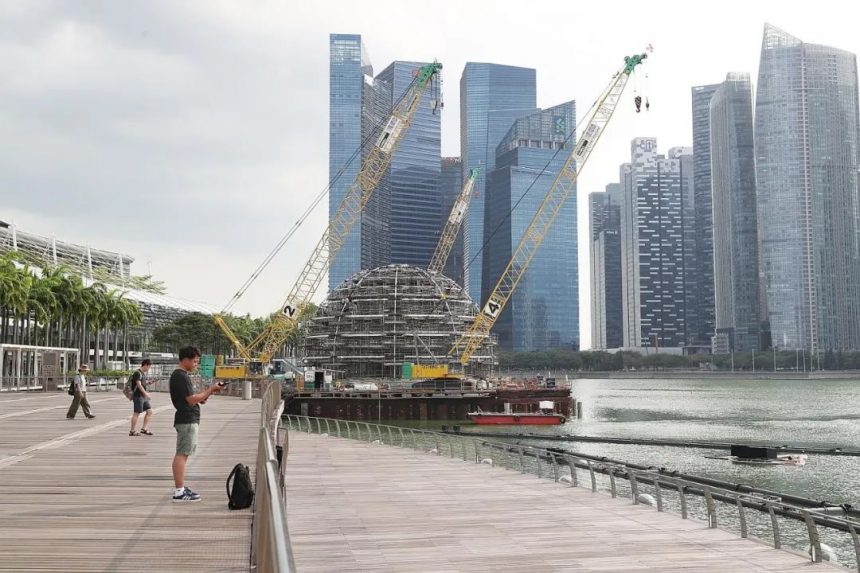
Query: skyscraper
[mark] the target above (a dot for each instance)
(450, 185)
(401, 221)
(654, 263)
(806, 148)
(348, 68)
(736, 265)
(606, 300)
(413, 177)
(701, 313)
(492, 96)
(543, 312)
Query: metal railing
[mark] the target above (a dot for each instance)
(786, 525)
(271, 551)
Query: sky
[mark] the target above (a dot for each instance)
(191, 135)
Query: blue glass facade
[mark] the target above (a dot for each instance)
(413, 178)
(492, 97)
(544, 310)
(450, 186)
(346, 84)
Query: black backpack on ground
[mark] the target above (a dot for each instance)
(241, 494)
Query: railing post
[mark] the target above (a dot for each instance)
(402, 438)
(658, 494)
(451, 446)
(634, 485)
(522, 460)
(613, 492)
(682, 494)
(477, 453)
(369, 432)
(853, 531)
(319, 426)
(327, 427)
(337, 426)
(308, 420)
(571, 464)
(438, 446)
(348, 430)
(593, 478)
(554, 466)
(814, 540)
(390, 436)
(414, 442)
(742, 516)
(774, 524)
(712, 508)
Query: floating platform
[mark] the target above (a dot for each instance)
(420, 404)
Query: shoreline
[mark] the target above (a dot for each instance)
(699, 375)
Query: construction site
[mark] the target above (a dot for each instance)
(402, 341)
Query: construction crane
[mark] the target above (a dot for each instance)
(452, 227)
(533, 236)
(256, 355)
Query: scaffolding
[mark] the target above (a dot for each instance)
(378, 319)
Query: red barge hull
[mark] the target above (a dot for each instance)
(487, 419)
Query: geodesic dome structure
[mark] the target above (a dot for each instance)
(380, 318)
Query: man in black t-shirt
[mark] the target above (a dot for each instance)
(186, 421)
(140, 399)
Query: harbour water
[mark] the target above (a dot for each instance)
(820, 413)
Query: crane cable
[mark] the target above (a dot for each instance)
(307, 212)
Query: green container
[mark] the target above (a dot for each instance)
(207, 360)
(406, 373)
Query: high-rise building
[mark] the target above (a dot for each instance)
(401, 221)
(450, 185)
(806, 150)
(701, 310)
(736, 266)
(543, 312)
(655, 276)
(348, 68)
(492, 97)
(607, 321)
(413, 176)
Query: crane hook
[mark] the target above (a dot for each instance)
(638, 102)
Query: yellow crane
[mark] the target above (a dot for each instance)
(256, 355)
(562, 187)
(452, 227)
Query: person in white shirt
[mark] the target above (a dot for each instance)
(80, 398)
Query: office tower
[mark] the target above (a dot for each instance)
(606, 300)
(492, 97)
(543, 312)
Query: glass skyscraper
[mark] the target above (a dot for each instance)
(607, 321)
(736, 266)
(543, 312)
(492, 97)
(450, 185)
(806, 149)
(413, 177)
(700, 312)
(348, 67)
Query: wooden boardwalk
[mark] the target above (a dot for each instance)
(354, 506)
(83, 495)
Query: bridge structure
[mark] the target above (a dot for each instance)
(83, 495)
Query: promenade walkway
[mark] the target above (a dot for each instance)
(83, 495)
(356, 506)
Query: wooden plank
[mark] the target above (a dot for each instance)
(83, 495)
(354, 506)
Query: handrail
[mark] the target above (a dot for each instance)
(562, 468)
(271, 550)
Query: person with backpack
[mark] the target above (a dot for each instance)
(186, 421)
(79, 391)
(140, 398)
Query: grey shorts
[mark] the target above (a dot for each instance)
(186, 439)
(140, 404)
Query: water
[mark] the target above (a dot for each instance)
(820, 413)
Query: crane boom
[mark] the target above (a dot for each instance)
(378, 158)
(452, 227)
(540, 224)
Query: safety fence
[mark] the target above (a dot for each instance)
(824, 537)
(271, 551)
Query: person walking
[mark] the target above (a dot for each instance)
(140, 399)
(186, 421)
(80, 399)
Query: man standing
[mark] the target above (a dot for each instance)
(140, 399)
(187, 418)
(80, 398)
